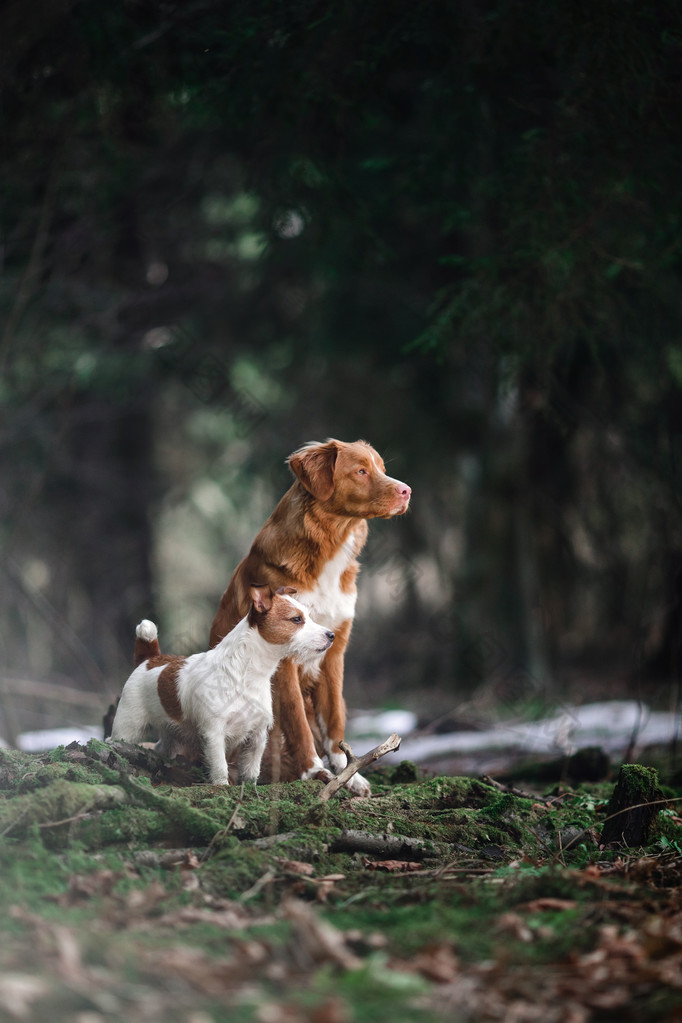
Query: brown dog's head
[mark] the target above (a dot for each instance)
(349, 479)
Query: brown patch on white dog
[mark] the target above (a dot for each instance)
(167, 686)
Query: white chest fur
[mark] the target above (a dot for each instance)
(326, 601)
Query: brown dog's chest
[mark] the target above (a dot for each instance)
(331, 597)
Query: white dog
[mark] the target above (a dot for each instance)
(220, 699)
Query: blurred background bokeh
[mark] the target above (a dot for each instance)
(451, 228)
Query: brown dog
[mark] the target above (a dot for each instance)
(311, 542)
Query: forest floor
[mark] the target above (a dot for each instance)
(131, 891)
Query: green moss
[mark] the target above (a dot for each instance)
(61, 800)
(235, 870)
(455, 898)
(633, 807)
(405, 773)
(638, 782)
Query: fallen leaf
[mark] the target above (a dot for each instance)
(18, 991)
(366, 942)
(190, 862)
(437, 963)
(232, 919)
(271, 1012)
(333, 1010)
(295, 866)
(547, 904)
(215, 977)
(515, 925)
(70, 963)
(141, 901)
(323, 890)
(662, 936)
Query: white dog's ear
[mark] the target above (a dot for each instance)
(313, 465)
(261, 597)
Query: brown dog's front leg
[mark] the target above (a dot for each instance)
(289, 712)
(327, 694)
(330, 707)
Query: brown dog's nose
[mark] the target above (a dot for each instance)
(404, 490)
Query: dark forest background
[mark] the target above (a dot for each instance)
(451, 228)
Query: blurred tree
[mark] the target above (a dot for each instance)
(452, 227)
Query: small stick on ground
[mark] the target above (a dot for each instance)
(356, 764)
(512, 790)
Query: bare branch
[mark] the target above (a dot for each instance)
(356, 764)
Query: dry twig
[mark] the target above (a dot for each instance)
(512, 790)
(356, 764)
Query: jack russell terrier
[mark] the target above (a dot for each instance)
(220, 700)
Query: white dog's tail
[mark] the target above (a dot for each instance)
(146, 641)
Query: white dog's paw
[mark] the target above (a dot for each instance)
(359, 786)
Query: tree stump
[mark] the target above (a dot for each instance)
(632, 807)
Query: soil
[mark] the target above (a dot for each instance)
(130, 889)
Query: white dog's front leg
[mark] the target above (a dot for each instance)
(214, 752)
(251, 756)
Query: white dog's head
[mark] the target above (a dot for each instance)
(283, 621)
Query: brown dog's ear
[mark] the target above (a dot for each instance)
(314, 465)
(261, 596)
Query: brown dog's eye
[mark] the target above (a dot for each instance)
(362, 472)
(297, 619)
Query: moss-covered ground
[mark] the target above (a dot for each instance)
(124, 896)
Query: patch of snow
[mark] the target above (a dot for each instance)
(610, 724)
(48, 738)
(381, 724)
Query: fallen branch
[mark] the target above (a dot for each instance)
(356, 764)
(166, 858)
(57, 803)
(394, 846)
(513, 791)
(195, 825)
(136, 760)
